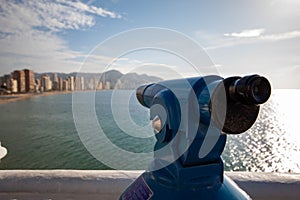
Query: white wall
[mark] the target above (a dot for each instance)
(108, 184)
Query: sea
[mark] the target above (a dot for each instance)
(40, 133)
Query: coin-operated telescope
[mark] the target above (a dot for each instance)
(191, 118)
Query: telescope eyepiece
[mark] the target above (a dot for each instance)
(238, 112)
(252, 89)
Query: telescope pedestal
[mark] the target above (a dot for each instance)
(194, 182)
(189, 118)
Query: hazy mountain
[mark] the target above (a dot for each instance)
(133, 80)
(116, 78)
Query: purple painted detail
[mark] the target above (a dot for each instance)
(139, 190)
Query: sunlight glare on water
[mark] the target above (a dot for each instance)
(273, 143)
(288, 113)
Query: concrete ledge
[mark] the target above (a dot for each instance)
(64, 184)
(268, 185)
(108, 184)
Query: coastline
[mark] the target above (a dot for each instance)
(17, 97)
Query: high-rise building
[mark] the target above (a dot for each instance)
(107, 85)
(60, 84)
(46, 83)
(96, 80)
(71, 83)
(65, 85)
(55, 82)
(6, 79)
(13, 86)
(101, 86)
(19, 75)
(55, 77)
(1, 81)
(90, 85)
(29, 80)
(55, 85)
(38, 85)
(82, 83)
(77, 83)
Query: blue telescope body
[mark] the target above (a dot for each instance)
(191, 118)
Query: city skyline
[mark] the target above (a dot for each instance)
(24, 81)
(241, 37)
(27, 81)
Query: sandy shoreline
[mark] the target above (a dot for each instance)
(18, 97)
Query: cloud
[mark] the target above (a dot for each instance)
(29, 32)
(248, 36)
(54, 15)
(90, 9)
(258, 33)
(40, 51)
(246, 33)
(281, 36)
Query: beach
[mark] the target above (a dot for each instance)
(17, 97)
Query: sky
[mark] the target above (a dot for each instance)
(240, 36)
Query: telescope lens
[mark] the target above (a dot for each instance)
(260, 89)
(252, 89)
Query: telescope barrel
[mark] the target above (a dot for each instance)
(233, 104)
